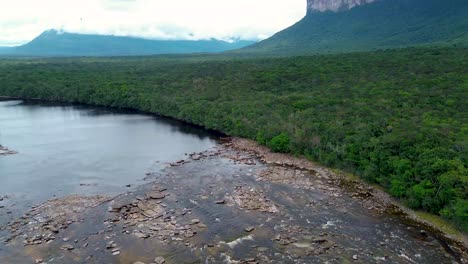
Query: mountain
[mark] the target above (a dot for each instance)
(55, 43)
(361, 25)
(5, 50)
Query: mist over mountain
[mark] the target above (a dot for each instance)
(56, 43)
(361, 25)
(334, 5)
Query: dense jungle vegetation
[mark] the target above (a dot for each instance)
(397, 118)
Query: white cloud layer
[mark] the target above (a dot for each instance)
(22, 20)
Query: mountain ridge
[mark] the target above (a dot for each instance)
(57, 43)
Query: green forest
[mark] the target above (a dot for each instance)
(397, 118)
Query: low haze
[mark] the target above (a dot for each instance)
(22, 20)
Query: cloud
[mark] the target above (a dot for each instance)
(22, 20)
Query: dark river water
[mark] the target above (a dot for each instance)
(65, 149)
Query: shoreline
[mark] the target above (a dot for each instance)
(390, 204)
(216, 133)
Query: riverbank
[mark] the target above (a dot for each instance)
(237, 203)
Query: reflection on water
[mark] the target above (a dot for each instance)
(66, 149)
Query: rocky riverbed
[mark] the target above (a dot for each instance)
(237, 203)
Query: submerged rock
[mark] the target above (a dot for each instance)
(157, 195)
(68, 247)
(5, 151)
(249, 229)
(159, 260)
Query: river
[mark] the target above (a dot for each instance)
(74, 149)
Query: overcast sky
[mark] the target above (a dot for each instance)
(22, 20)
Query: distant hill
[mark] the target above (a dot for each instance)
(55, 43)
(5, 50)
(360, 25)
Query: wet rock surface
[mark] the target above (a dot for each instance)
(224, 206)
(42, 223)
(250, 198)
(4, 151)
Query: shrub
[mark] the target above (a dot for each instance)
(280, 143)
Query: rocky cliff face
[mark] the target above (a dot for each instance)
(334, 5)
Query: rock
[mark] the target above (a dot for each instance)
(157, 195)
(195, 221)
(52, 229)
(423, 233)
(355, 257)
(66, 239)
(262, 249)
(159, 260)
(152, 214)
(111, 245)
(116, 253)
(382, 244)
(141, 235)
(138, 262)
(39, 261)
(252, 199)
(200, 225)
(221, 202)
(319, 240)
(189, 234)
(249, 229)
(114, 209)
(68, 247)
